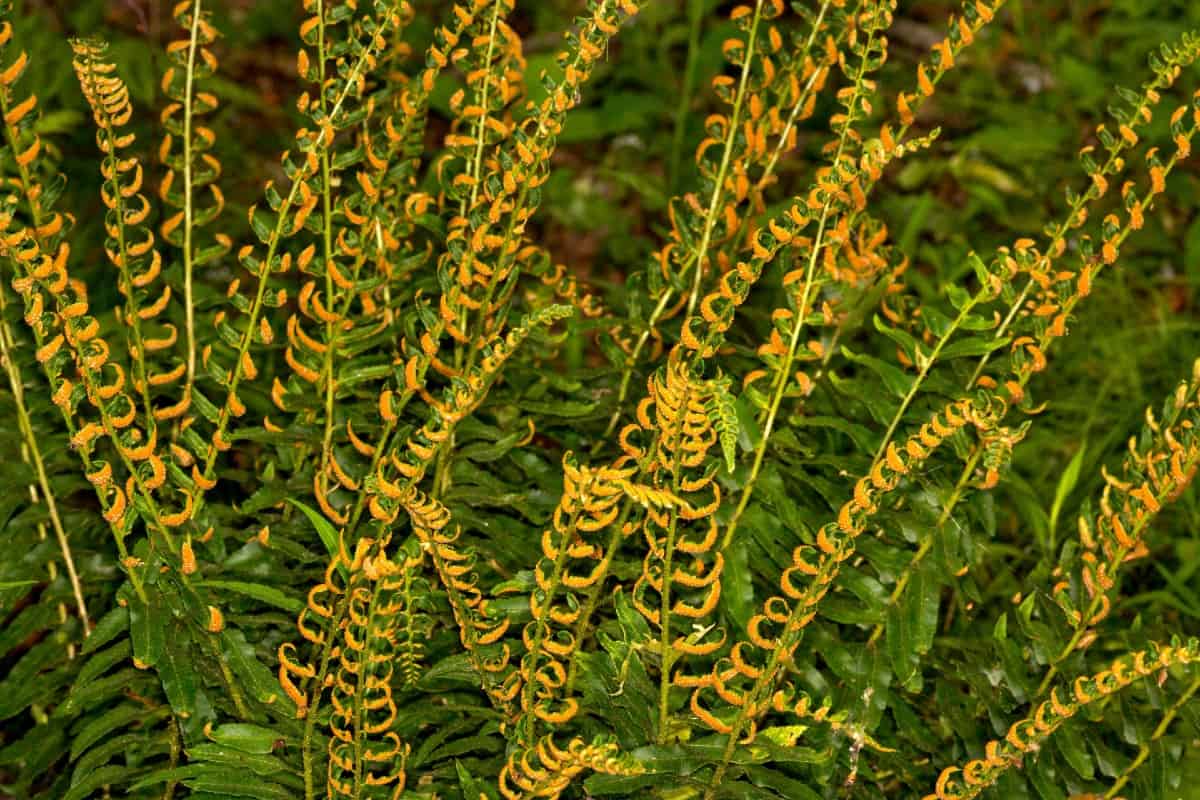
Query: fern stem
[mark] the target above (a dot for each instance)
(928, 541)
(668, 292)
(359, 707)
(1114, 163)
(248, 335)
(31, 195)
(176, 750)
(1159, 731)
(331, 326)
(1114, 562)
(132, 321)
(924, 371)
(718, 192)
(801, 101)
(664, 641)
(518, 213)
(188, 208)
(593, 592)
(1029, 735)
(275, 239)
(630, 362)
(782, 377)
(310, 719)
(446, 453)
(1022, 381)
(1001, 330)
(781, 384)
(542, 627)
(482, 101)
(668, 557)
(763, 684)
(24, 423)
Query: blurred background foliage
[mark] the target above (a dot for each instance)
(1013, 120)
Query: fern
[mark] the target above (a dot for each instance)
(364, 499)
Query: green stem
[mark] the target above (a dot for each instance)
(928, 541)
(1001, 330)
(592, 600)
(176, 745)
(1092, 193)
(925, 367)
(801, 101)
(1114, 563)
(1159, 732)
(627, 372)
(132, 322)
(766, 679)
(1023, 380)
(310, 719)
(664, 615)
(188, 256)
(31, 194)
(331, 327)
(481, 123)
(275, 239)
(782, 377)
(359, 708)
(718, 193)
(24, 423)
(666, 652)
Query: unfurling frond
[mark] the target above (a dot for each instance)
(545, 770)
(366, 755)
(131, 243)
(573, 555)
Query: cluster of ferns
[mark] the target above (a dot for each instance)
(322, 508)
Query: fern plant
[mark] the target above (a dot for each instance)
(328, 503)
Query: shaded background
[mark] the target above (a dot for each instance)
(1013, 115)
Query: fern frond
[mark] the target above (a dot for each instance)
(366, 756)
(462, 607)
(187, 151)
(1161, 464)
(351, 228)
(484, 247)
(411, 459)
(337, 107)
(1027, 735)
(681, 573)
(31, 452)
(839, 197)
(73, 357)
(493, 67)
(545, 770)
(75, 360)
(571, 564)
(385, 211)
(131, 244)
(430, 519)
(413, 619)
(725, 160)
